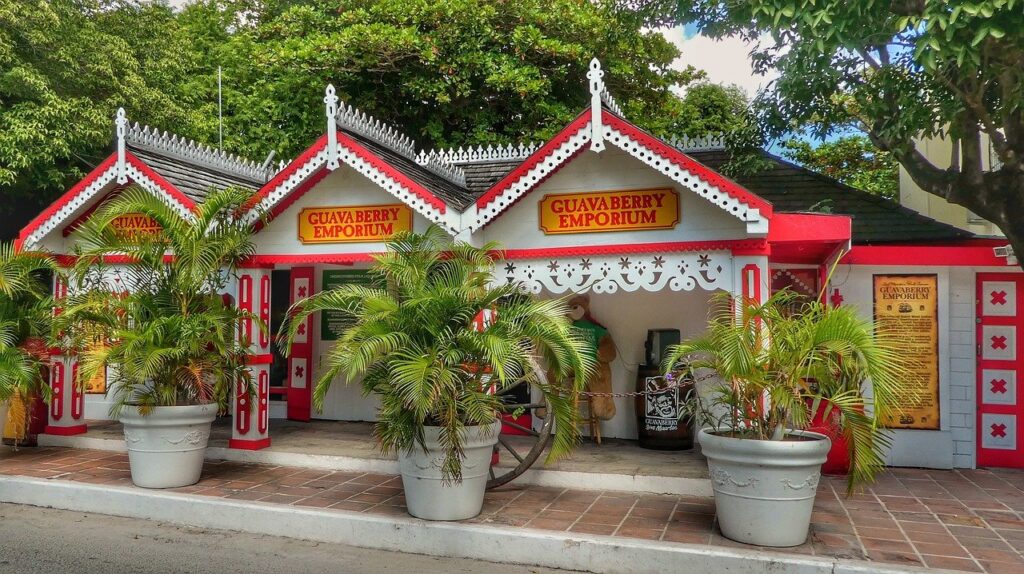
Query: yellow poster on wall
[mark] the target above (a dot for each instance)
(906, 306)
(630, 210)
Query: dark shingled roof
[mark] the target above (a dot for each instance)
(481, 175)
(450, 192)
(192, 179)
(791, 188)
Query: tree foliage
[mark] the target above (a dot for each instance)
(853, 160)
(65, 68)
(899, 70)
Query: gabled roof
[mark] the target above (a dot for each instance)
(792, 188)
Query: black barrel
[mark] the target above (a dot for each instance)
(659, 426)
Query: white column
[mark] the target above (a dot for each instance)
(66, 415)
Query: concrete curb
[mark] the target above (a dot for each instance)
(599, 554)
(647, 484)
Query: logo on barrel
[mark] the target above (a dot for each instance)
(638, 209)
(352, 224)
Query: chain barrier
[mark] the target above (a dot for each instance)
(679, 383)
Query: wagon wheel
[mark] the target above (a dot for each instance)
(522, 449)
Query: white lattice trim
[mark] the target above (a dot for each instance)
(709, 142)
(480, 154)
(479, 217)
(654, 272)
(80, 201)
(364, 168)
(188, 150)
(691, 181)
(350, 118)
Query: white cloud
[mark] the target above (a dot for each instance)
(726, 61)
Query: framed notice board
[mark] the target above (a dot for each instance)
(331, 322)
(906, 306)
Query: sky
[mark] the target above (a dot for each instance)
(726, 61)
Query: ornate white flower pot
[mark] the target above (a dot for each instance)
(764, 490)
(166, 447)
(426, 494)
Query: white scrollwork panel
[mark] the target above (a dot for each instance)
(611, 273)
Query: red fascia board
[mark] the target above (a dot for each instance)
(292, 197)
(377, 162)
(160, 181)
(68, 196)
(919, 255)
(727, 186)
(288, 171)
(809, 228)
(309, 259)
(531, 162)
(731, 245)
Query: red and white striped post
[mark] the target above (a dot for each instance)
(250, 429)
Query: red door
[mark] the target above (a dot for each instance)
(1000, 301)
(300, 391)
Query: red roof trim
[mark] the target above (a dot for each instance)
(68, 196)
(328, 258)
(288, 171)
(292, 197)
(810, 228)
(159, 180)
(921, 255)
(729, 187)
(535, 158)
(374, 160)
(631, 248)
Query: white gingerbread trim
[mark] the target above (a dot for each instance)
(447, 220)
(709, 271)
(776, 272)
(757, 224)
(353, 120)
(78, 203)
(475, 218)
(480, 154)
(708, 142)
(121, 129)
(172, 145)
(331, 109)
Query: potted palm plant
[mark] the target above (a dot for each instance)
(150, 306)
(411, 341)
(25, 313)
(778, 362)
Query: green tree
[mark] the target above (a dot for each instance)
(713, 108)
(853, 160)
(898, 70)
(65, 68)
(449, 72)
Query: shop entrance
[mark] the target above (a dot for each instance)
(1000, 300)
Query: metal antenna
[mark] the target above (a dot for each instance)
(220, 111)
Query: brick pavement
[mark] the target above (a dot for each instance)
(962, 520)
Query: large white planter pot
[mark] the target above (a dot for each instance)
(166, 447)
(764, 490)
(428, 496)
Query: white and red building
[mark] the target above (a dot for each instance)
(649, 228)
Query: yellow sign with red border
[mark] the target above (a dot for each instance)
(594, 212)
(353, 224)
(131, 224)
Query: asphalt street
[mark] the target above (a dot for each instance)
(47, 541)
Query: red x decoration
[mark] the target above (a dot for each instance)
(998, 342)
(836, 299)
(999, 431)
(998, 297)
(302, 291)
(301, 330)
(299, 371)
(998, 385)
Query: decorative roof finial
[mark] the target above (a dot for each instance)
(331, 108)
(595, 76)
(121, 123)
